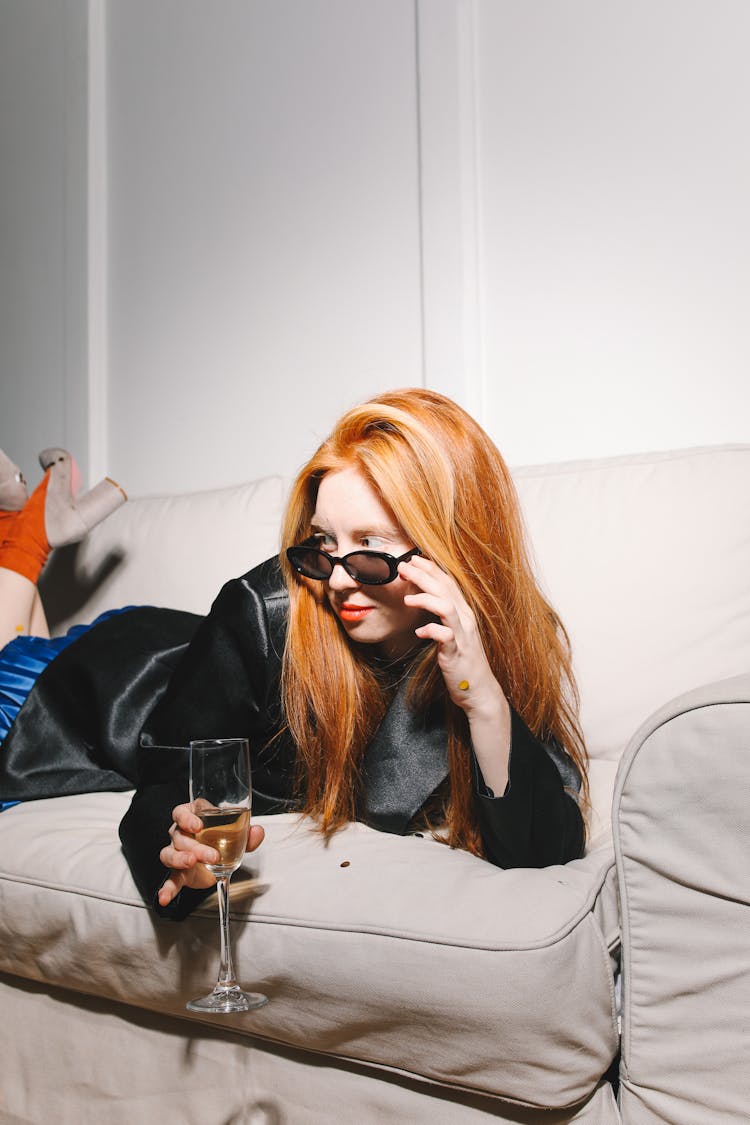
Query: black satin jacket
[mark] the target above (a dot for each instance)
(118, 708)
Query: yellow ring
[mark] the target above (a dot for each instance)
(464, 685)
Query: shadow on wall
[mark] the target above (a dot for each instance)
(65, 587)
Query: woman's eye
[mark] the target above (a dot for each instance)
(373, 543)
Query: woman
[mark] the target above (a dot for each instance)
(389, 690)
(398, 664)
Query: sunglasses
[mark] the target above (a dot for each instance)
(369, 568)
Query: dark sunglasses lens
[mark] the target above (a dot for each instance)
(370, 569)
(311, 563)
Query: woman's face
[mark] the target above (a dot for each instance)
(350, 516)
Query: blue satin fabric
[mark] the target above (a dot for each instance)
(22, 661)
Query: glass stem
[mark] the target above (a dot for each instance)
(226, 969)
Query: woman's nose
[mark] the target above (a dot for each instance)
(341, 579)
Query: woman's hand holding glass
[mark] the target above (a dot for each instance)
(186, 857)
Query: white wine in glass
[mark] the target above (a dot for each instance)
(220, 795)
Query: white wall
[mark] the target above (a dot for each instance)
(538, 206)
(43, 218)
(615, 224)
(263, 229)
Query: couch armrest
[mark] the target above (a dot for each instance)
(682, 846)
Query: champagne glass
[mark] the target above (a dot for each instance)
(220, 795)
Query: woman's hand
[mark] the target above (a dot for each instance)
(185, 856)
(460, 651)
(469, 679)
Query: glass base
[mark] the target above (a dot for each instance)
(222, 1001)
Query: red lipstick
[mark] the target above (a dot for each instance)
(350, 612)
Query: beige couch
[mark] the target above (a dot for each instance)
(408, 982)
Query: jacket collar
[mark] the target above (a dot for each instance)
(403, 765)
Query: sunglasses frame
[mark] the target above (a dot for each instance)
(334, 560)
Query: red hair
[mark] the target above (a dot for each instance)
(448, 487)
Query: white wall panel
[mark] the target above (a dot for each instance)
(615, 228)
(263, 229)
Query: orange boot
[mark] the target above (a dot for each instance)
(67, 517)
(53, 516)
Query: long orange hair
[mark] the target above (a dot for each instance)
(448, 487)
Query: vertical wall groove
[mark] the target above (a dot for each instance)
(451, 276)
(97, 242)
(420, 191)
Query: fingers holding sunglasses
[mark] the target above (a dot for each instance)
(439, 594)
(461, 657)
(427, 575)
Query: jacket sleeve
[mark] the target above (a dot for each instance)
(537, 821)
(77, 731)
(225, 685)
(221, 686)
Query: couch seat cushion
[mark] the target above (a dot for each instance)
(393, 951)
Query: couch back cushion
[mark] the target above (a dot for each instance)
(173, 551)
(646, 558)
